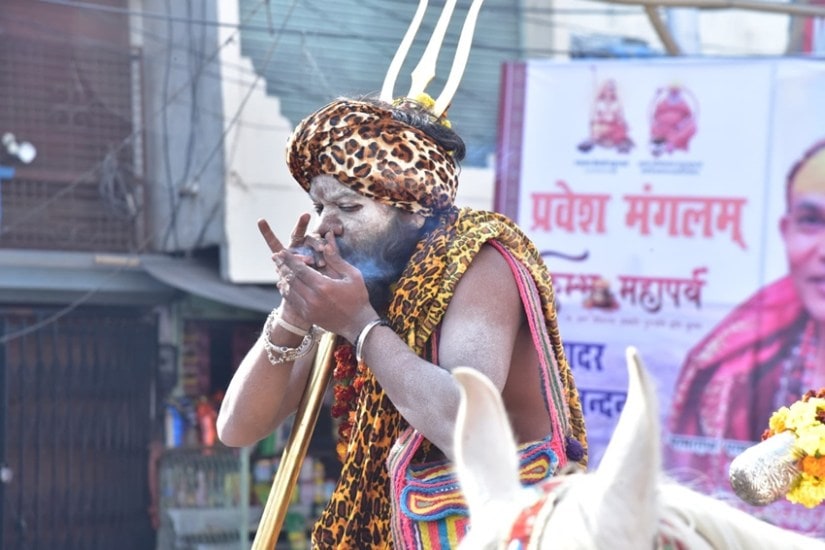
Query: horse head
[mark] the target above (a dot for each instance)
(626, 503)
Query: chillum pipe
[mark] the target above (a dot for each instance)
(283, 484)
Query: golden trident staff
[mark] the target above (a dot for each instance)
(292, 457)
(283, 484)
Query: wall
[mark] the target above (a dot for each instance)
(183, 123)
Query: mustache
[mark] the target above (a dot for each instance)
(378, 263)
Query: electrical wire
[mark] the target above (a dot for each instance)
(7, 337)
(370, 38)
(108, 171)
(236, 116)
(136, 133)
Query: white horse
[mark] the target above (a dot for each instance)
(625, 504)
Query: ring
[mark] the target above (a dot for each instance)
(289, 277)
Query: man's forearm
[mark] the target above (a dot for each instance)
(425, 394)
(259, 398)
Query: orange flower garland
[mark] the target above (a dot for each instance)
(348, 380)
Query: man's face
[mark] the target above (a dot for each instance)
(803, 230)
(376, 238)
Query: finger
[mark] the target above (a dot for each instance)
(293, 289)
(284, 273)
(269, 236)
(321, 245)
(303, 278)
(290, 263)
(317, 245)
(332, 255)
(299, 232)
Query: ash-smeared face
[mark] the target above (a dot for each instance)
(376, 238)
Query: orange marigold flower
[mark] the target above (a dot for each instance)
(344, 362)
(343, 393)
(349, 380)
(341, 450)
(344, 353)
(813, 466)
(339, 409)
(341, 372)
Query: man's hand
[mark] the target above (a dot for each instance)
(301, 243)
(334, 298)
(297, 240)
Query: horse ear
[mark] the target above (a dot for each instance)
(486, 457)
(629, 470)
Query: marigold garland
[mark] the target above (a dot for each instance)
(348, 379)
(806, 419)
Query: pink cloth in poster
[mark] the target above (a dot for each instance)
(730, 384)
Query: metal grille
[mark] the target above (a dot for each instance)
(58, 216)
(72, 98)
(76, 436)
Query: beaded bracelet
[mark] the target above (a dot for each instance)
(279, 355)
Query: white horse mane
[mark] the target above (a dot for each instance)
(625, 504)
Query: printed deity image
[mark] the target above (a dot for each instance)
(608, 127)
(673, 114)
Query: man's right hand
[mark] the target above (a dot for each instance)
(297, 241)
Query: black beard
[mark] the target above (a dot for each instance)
(382, 262)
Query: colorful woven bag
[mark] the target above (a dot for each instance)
(429, 511)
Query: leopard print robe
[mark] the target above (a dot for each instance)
(358, 515)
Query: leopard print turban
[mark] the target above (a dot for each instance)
(364, 148)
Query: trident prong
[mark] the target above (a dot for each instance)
(462, 53)
(401, 53)
(424, 72)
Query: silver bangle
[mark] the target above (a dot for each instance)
(362, 337)
(279, 355)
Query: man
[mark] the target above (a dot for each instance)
(417, 287)
(765, 354)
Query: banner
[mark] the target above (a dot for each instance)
(656, 192)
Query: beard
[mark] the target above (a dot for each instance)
(382, 259)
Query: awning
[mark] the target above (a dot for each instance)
(201, 279)
(57, 277)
